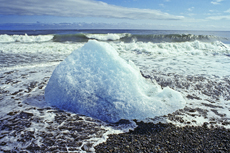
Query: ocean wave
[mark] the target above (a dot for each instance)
(174, 49)
(149, 48)
(24, 38)
(105, 37)
(171, 38)
(70, 38)
(121, 37)
(126, 37)
(85, 37)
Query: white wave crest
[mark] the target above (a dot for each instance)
(174, 49)
(104, 37)
(24, 38)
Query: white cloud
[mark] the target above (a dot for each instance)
(79, 8)
(213, 13)
(190, 9)
(162, 5)
(219, 17)
(216, 2)
(228, 11)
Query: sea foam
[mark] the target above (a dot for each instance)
(104, 37)
(24, 38)
(95, 81)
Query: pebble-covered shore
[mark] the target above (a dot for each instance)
(149, 137)
(29, 124)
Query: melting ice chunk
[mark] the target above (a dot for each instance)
(95, 81)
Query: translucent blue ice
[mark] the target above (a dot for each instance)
(95, 81)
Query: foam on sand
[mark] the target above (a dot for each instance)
(95, 81)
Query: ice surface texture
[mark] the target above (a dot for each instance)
(95, 81)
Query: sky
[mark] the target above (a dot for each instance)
(143, 14)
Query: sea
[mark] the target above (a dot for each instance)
(194, 63)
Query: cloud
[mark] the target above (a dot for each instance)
(216, 2)
(162, 5)
(79, 8)
(190, 9)
(227, 17)
(228, 11)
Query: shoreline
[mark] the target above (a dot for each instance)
(149, 137)
(29, 124)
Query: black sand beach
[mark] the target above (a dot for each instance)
(149, 137)
(68, 130)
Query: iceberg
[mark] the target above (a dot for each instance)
(95, 81)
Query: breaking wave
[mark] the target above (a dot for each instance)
(85, 37)
(24, 38)
(120, 37)
(126, 37)
(174, 49)
(172, 38)
(109, 36)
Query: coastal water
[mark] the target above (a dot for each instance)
(194, 63)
